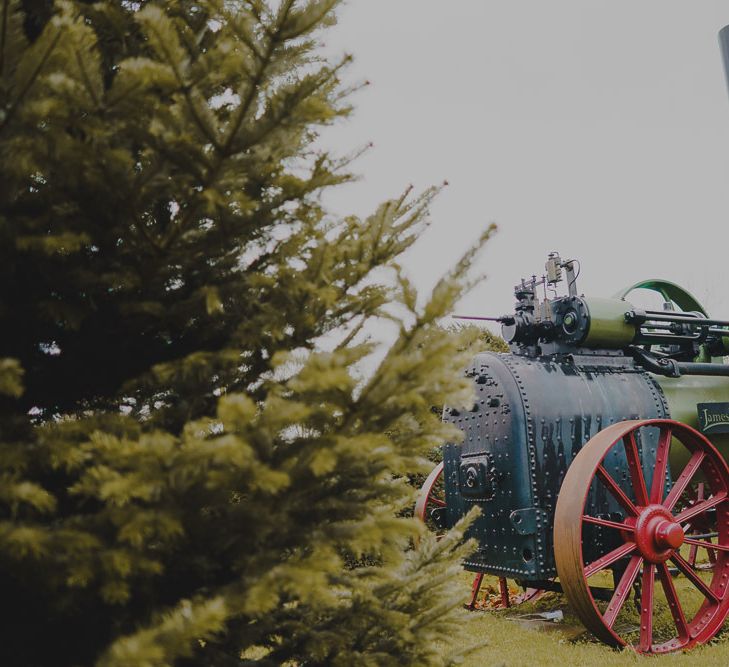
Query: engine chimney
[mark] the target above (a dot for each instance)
(724, 44)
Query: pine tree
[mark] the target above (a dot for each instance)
(188, 474)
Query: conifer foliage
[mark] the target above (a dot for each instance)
(191, 470)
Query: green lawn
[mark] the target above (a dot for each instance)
(512, 643)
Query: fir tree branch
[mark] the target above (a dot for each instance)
(287, 109)
(207, 131)
(317, 17)
(224, 151)
(253, 85)
(233, 25)
(142, 228)
(255, 9)
(351, 335)
(3, 33)
(86, 78)
(210, 179)
(31, 80)
(242, 111)
(185, 88)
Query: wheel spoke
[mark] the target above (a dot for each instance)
(622, 590)
(635, 468)
(673, 602)
(694, 578)
(700, 508)
(692, 554)
(659, 473)
(608, 524)
(646, 608)
(695, 544)
(617, 492)
(684, 478)
(609, 558)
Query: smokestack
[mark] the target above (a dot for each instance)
(724, 44)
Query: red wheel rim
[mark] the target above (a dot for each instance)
(649, 537)
(430, 496)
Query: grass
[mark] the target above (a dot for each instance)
(510, 643)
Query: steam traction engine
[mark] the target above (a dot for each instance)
(593, 451)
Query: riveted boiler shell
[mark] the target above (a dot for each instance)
(530, 418)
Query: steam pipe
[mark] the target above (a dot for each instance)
(694, 368)
(672, 368)
(647, 316)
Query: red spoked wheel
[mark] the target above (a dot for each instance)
(641, 539)
(430, 505)
(430, 509)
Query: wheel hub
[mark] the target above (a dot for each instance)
(657, 534)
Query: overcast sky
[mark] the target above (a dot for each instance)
(597, 128)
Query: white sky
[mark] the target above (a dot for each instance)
(597, 128)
